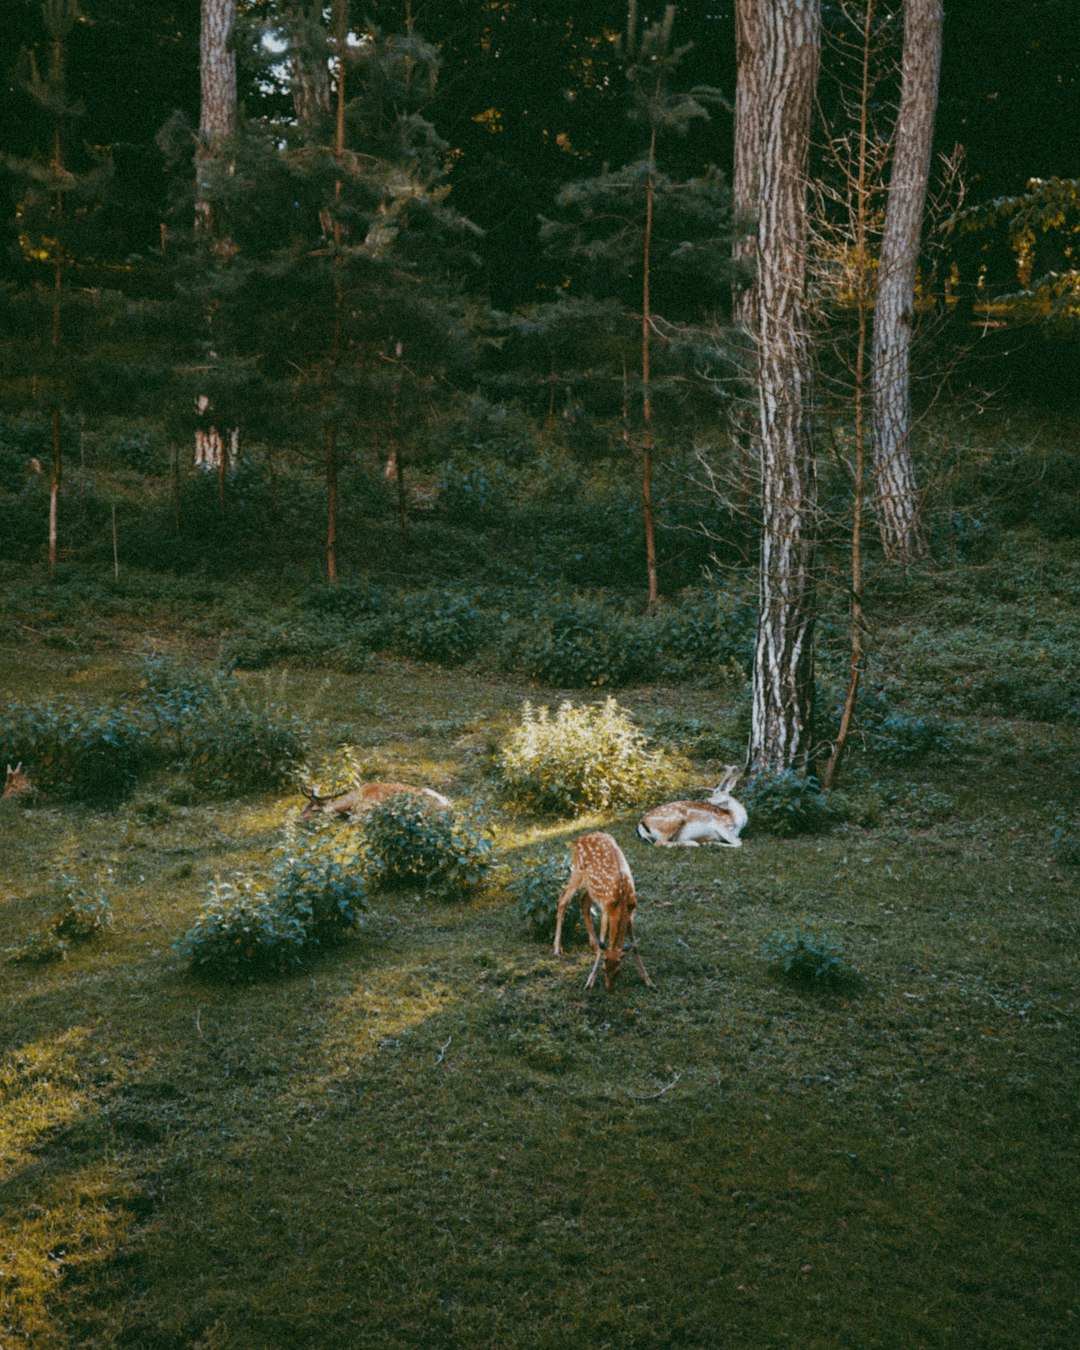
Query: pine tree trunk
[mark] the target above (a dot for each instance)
(783, 675)
(897, 486)
(54, 491)
(217, 124)
(861, 206)
(217, 97)
(646, 390)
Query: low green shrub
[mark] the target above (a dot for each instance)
(706, 634)
(585, 757)
(319, 879)
(1065, 842)
(440, 625)
(242, 930)
(786, 803)
(535, 889)
(80, 910)
(807, 958)
(575, 643)
(332, 641)
(225, 740)
(411, 843)
(80, 753)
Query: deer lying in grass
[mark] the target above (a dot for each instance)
(599, 869)
(356, 801)
(17, 784)
(719, 819)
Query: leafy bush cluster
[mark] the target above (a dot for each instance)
(186, 720)
(75, 752)
(1065, 842)
(80, 910)
(535, 890)
(319, 878)
(208, 726)
(242, 930)
(576, 642)
(786, 803)
(572, 642)
(316, 894)
(331, 642)
(409, 842)
(807, 958)
(585, 757)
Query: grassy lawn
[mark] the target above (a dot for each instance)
(431, 1135)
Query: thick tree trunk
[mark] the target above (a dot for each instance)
(214, 450)
(894, 469)
(783, 676)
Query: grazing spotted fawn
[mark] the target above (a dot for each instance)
(599, 869)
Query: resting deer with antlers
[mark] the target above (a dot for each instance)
(599, 869)
(356, 801)
(719, 819)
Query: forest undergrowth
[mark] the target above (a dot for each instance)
(846, 1115)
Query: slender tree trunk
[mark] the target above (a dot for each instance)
(54, 342)
(897, 486)
(646, 388)
(331, 471)
(217, 125)
(341, 25)
(54, 490)
(864, 302)
(783, 678)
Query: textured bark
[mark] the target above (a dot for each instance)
(750, 93)
(896, 482)
(217, 98)
(646, 388)
(860, 206)
(784, 657)
(746, 177)
(217, 124)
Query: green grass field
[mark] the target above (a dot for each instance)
(431, 1135)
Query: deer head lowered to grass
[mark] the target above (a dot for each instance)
(356, 801)
(719, 819)
(599, 869)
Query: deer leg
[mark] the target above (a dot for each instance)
(595, 967)
(564, 899)
(595, 943)
(637, 956)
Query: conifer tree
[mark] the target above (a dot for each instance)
(56, 214)
(652, 248)
(341, 285)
